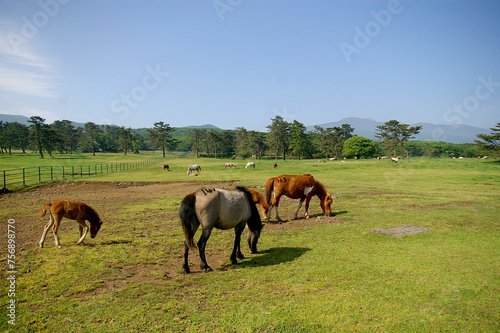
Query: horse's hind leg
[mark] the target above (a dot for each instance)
(275, 203)
(45, 230)
(277, 215)
(55, 228)
(298, 208)
(205, 235)
(186, 253)
(238, 230)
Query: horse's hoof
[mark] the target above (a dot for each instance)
(59, 246)
(186, 270)
(208, 269)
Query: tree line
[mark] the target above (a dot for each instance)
(282, 140)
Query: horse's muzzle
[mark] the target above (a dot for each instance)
(92, 236)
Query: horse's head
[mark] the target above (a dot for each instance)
(253, 238)
(265, 209)
(94, 228)
(327, 204)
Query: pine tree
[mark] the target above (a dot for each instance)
(394, 134)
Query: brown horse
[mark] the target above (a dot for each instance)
(297, 187)
(258, 199)
(166, 167)
(74, 211)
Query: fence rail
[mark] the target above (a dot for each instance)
(15, 178)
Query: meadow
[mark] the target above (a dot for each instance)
(310, 275)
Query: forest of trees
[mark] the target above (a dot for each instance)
(283, 140)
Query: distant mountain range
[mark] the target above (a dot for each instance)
(10, 118)
(448, 133)
(363, 127)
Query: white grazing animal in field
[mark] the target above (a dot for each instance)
(194, 167)
(250, 165)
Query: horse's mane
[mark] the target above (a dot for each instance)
(254, 223)
(93, 216)
(322, 191)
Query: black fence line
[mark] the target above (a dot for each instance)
(24, 176)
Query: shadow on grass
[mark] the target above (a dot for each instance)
(271, 257)
(323, 215)
(320, 215)
(112, 242)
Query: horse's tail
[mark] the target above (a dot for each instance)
(269, 190)
(187, 213)
(44, 208)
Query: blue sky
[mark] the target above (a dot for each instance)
(239, 63)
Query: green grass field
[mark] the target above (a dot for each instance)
(334, 277)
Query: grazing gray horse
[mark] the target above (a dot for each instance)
(221, 209)
(194, 167)
(250, 165)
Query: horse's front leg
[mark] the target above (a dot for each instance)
(308, 199)
(238, 230)
(205, 235)
(82, 226)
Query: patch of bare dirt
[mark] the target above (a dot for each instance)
(406, 230)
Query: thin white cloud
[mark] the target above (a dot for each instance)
(26, 82)
(22, 70)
